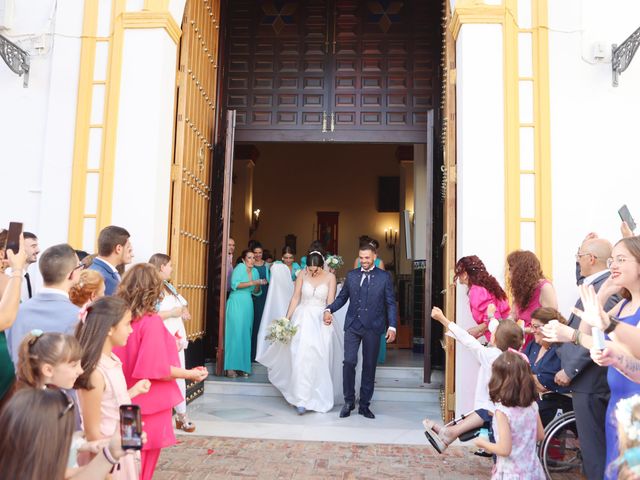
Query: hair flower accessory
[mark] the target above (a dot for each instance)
(520, 354)
(36, 332)
(628, 416)
(84, 311)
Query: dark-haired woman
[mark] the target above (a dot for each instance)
(316, 246)
(245, 283)
(308, 370)
(529, 287)
(484, 290)
(545, 363)
(258, 300)
(289, 259)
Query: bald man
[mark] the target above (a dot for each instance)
(588, 381)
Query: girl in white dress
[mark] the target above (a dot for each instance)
(173, 311)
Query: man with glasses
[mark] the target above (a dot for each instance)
(50, 310)
(586, 380)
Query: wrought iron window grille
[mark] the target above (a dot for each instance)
(621, 55)
(15, 58)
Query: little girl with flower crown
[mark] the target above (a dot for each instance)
(516, 423)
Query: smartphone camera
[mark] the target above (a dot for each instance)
(130, 427)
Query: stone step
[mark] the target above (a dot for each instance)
(399, 384)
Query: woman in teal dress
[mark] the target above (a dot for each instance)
(258, 301)
(245, 283)
(364, 240)
(10, 288)
(289, 259)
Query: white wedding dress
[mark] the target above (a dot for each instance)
(308, 371)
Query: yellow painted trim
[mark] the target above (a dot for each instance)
(475, 13)
(153, 19)
(542, 115)
(83, 115)
(511, 129)
(112, 100)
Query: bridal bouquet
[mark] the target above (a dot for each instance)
(281, 330)
(335, 262)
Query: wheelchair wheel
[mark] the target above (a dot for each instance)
(560, 449)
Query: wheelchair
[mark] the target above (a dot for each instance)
(559, 450)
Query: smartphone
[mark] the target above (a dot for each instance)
(130, 427)
(598, 338)
(625, 215)
(13, 238)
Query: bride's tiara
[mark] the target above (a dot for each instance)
(316, 251)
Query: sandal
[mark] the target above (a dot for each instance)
(184, 424)
(243, 374)
(435, 440)
(231, 373)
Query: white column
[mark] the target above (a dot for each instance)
(144, 145)
(480, 173)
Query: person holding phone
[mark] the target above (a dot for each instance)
(10, 286)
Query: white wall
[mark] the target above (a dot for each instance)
(142, 179)
(595, 143)
(480, 173)
(37, 125)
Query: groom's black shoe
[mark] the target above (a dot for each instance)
(365, 412)
(346, 410)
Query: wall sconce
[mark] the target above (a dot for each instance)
(390, 237)
(255, 222)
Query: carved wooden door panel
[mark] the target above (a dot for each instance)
(192, 166)
(276, 78)
(332, 70)
(385, 74)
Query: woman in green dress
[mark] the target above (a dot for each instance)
(289, 259)
(10, 287)
(258, 300)
(245, 282)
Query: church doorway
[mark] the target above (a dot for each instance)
(294, 193)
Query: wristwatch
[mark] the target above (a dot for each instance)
(613, 323)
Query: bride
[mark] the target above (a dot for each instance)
(308, 371)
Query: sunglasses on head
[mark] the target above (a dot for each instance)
(70, 404)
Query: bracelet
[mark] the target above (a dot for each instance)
(613, 323)
(109, 457)
(578, 335)
(574, 336)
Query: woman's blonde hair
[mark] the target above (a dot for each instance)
(141, 287)
(90, 283)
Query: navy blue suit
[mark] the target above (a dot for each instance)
(372, 304)
(111, 278)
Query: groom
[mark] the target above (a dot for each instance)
(370, 292)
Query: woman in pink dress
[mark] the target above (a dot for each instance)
(484, 290)
(151, 353)
(529, 288)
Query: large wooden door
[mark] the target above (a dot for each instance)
(192, 187)
(332, 70)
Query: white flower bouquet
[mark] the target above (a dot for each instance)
(335, 262)
(281, 330)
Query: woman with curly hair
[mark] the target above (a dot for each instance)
(484, 290)
(529, 288)
(151, 353)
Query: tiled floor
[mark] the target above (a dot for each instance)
(206, 458)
